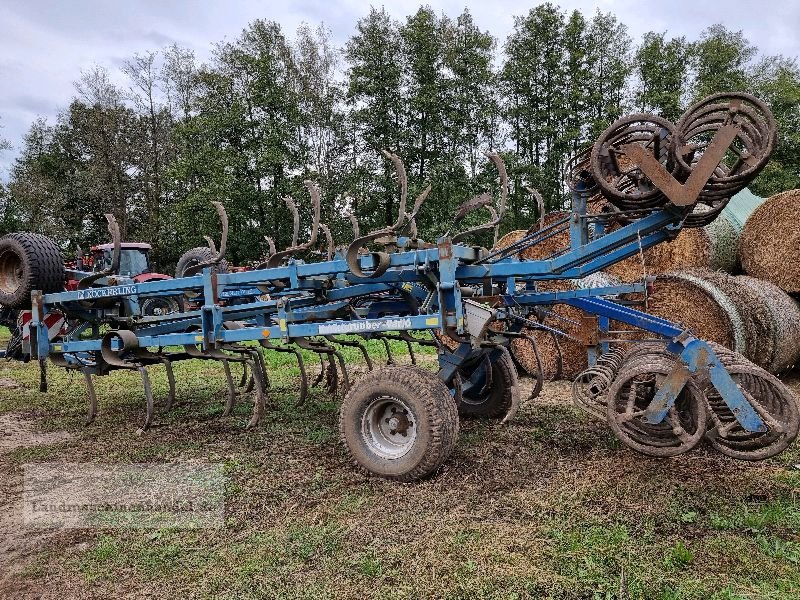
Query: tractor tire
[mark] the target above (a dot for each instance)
(159, 306)
(497, 400)
(28, 261)
(194, 257)
(399, 423)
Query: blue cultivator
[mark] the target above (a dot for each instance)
(401, 421)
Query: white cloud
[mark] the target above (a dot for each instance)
(44, 44)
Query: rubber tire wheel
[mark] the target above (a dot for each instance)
(28, 261)
(195, 256)
(497, 401)
(434, 413)
(173, 302)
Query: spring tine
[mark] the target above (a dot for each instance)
(171, 381)
(303, 377)
(411, 352)
(231, 401)
(259, 403)
(353, 344)
(148, 394)
(340, 358)
(92, 412)
(515, 396)
(263, 365)
(321, 375)
(364, 353)
(243, 380)
(389, 357)
(251, 383)
(332, 379)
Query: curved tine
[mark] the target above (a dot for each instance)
(148, 395)
(231, 400)
(402, 182)
(389, 358)
(223, 218)
(515, 396)
(539, 203)
(295, 219)
(92, 411)
(303, 376)
(354, 223)
(313, 189)
(321, 375)
(500, 165)
(332, 375)
(471, 205)
(480, 228)
(170, 381)
(328, 240)
(259, 403)
(346, 382)
(270, 245)
(412, 229)
(116, 237)
(211, 244)
(419, 202)
(411, 351)
(258, 358)
(353, 344)
(501, 169)
(243, 379)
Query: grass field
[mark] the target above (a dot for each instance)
(550, 506)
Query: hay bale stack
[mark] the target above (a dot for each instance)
(751, 316)
(711, 247)
(770, 243)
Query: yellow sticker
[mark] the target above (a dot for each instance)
(265, 333)
(56, 348)
(282, 324)
(432, 321)
(198, 338)
(407, 287)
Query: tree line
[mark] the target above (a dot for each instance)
(269, 111)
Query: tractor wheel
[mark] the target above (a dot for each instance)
(399, 423)
(28, 261)
(158, 306)
(493, 400)
(194, 257)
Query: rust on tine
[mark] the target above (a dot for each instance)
(92, 409)
(148, 394)
(231, 396)
(170, 382)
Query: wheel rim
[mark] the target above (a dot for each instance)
(11, 272)
(389, 427)
(156, 307)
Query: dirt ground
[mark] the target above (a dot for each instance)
(550, 506)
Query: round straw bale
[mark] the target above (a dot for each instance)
(699, 305)
(770, 243)
(781, 326)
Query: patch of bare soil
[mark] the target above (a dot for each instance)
(16, 432)
(18, 543)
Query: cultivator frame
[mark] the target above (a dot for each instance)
(480, 299)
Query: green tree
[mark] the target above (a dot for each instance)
(377, 114)
(662, 69)
(721, 58)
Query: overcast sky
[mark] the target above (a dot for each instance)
(44, 44)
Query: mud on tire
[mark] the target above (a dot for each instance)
(28, 261)
(399, 423)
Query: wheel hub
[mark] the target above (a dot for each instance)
(389, 427)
